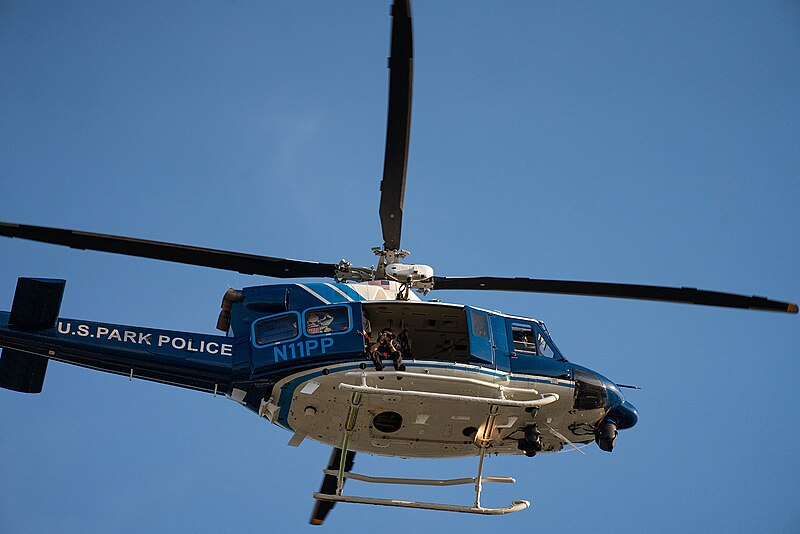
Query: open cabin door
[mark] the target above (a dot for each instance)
(333, 332)
(488, 339)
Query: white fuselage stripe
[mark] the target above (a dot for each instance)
(324, 301)
(342, 293)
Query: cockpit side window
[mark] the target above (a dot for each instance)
(523, 337)
(327, 320)
(276, 328)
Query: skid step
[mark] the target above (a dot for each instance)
(515, 506)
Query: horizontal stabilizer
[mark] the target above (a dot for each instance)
(37, 302)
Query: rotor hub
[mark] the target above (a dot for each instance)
(411, 276)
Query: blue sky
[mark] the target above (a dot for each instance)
(641, 142)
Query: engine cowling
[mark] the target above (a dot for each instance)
(403, 272)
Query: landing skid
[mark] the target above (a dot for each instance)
(485, 436)
(515, 506)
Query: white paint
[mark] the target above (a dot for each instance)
(325, 301)
(238, 395)
(297, 439)
(310, 388)
(422, 419)
(510, 423)
(342, 293)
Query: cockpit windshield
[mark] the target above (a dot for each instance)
(545, 348)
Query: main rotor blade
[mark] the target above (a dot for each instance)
(329, 482)
(157, 250)
(686, 295)
(398, 124)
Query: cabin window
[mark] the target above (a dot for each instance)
(320, 321)
(480, 324)
(523, 337)
(274, 329)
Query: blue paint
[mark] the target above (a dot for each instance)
(624, 416)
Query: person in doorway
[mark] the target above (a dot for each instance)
(366, 328)
(386, 347)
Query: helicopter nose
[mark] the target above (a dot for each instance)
(620, 415)
(594, 390)
(620, 412)
(618, 418)
(624, 415)
(614, 396)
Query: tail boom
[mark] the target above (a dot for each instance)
(196, 361)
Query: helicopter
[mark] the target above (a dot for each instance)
(474, 342)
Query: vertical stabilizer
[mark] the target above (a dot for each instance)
(37, 302)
